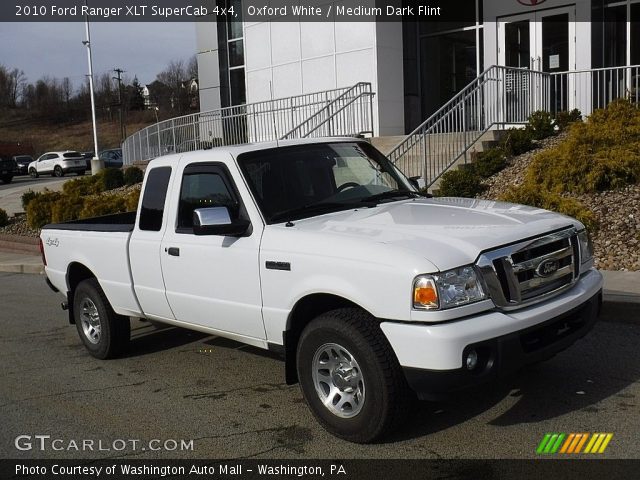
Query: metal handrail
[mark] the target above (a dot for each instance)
(505, 96)
(253, 122)
(323, 112)
(335, 114)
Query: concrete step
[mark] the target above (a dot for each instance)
(19, 244)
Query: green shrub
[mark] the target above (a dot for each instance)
(39, 209)
(517, 141)
(66, 208)
(489, 162)
(460, 183)
(27, 197)
(4, 218)
(600, 154)
(131, 200)
(541, 124)
(83, 186)
(110, 178)
(564, 119)
(535, 197)
(133, 175)
(103, 205)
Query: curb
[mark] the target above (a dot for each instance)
(22, 268)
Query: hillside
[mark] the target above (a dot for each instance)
(72, 136)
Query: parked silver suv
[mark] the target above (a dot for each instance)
(58, 164)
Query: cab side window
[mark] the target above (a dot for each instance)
(204, 187)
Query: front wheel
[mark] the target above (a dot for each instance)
(33, 173)
(104, 333)
(57, 172)
(350, 376)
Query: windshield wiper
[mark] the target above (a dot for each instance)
(318, 208)
(391, 194)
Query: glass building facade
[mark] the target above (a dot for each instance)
(441, 58)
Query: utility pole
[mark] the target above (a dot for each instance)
(96, 164)
(119, 72)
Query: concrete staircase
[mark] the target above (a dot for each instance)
(436, 148)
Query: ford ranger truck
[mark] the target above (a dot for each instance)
(324, 251)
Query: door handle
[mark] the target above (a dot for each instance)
(173, 251)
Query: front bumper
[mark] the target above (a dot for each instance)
(432, 356)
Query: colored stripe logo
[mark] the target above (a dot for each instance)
(573, 443)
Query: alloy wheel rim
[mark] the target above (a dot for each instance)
(338, 380)
(90, 321)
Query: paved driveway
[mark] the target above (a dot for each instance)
(232, 402)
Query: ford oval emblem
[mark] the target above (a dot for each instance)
(531, 3)
(547, 268)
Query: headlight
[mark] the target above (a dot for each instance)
(452, 288)
(586, 247)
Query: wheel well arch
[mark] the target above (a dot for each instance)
(76, 273)
(304, 311)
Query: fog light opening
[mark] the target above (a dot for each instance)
(471, 360)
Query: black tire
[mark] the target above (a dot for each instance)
(115, 330)
(81, 173)
(57, 172)
(33, 173)
(7, 179)
(386, 398)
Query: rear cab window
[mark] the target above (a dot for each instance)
(153, 199)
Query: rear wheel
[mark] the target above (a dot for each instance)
(57, 172)
(81, 173)
(33, 173)
(103, 332)
(7, 179)
(350, 376)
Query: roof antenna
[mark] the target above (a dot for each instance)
(273, 116)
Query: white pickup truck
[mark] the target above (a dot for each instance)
(322, 250)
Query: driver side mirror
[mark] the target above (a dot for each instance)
(217, 221)
(415, 181)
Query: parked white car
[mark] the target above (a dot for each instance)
(323, 251)
(58, 164)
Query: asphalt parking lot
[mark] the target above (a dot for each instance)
(232, 402)
(24, 180)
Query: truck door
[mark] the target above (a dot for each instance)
(212, 280)
(144, 246)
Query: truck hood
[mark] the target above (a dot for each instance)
(448, 232)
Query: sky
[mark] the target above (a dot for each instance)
(56, 50)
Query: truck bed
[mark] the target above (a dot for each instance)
(118, 222)
(99, 244)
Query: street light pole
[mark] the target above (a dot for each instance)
(96, 164)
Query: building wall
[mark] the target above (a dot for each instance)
(208, 67)
(306, 57)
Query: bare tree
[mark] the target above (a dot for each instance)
(192, 67)
(67, 90)
(173, 77)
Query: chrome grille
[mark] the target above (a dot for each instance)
(531, 271)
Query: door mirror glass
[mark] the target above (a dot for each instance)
(217, 221)
(208, 217)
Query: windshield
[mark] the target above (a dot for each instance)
(304, 180)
